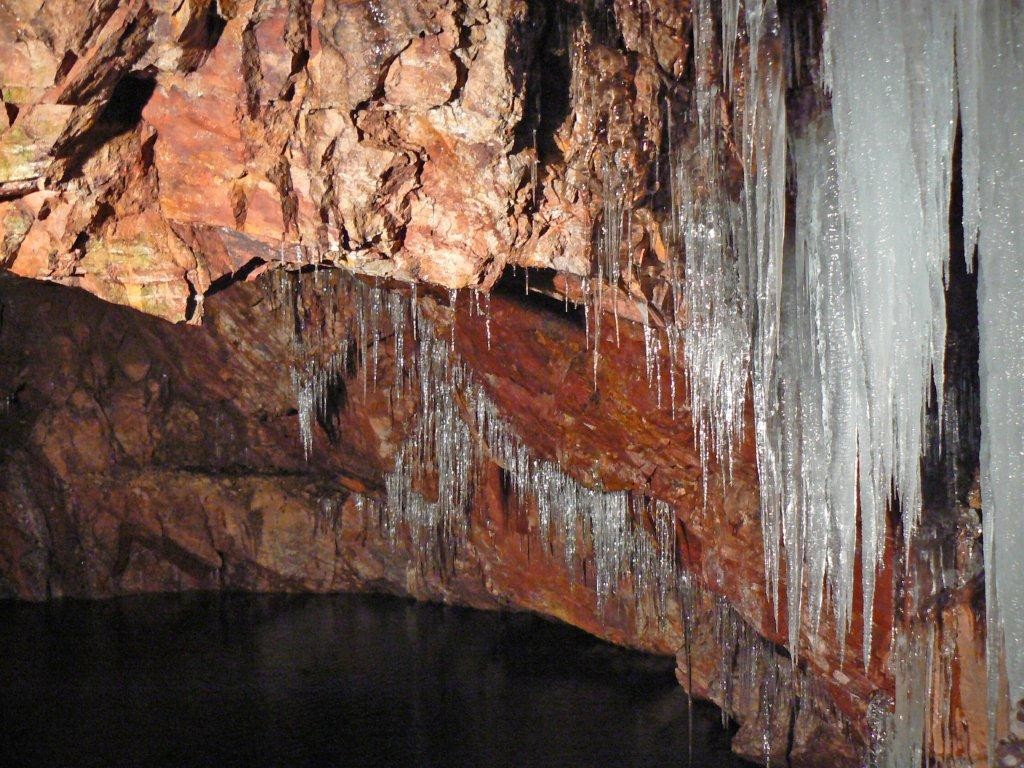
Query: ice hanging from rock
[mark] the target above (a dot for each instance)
(991, 71)
(456, 431)
(764, 181)
(302, 383)
(821, 398)
(716, 337)
(335, 319)
(893, 110)
(893, 193)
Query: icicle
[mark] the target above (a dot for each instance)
(991, 59)
(585, 288)
(303, 387)
(596, 297)
(375, 315)
(969, 71)
(820, 399)
(397, 317)
(649, 354)
(764, 177)
(730, 31)
(534, 165)
(716, 338)
(610, 242)
(665, 532)
(894, 59)
(487, 317)
(899, 166)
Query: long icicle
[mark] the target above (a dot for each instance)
(893, 58)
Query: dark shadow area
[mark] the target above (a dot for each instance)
(548, 76)
(240, 275)
(536, 288)
(341, 680)
(952, 457)
(121, 114)
(124, 109)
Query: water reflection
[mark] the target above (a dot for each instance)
(342, 680)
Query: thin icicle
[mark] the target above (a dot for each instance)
(764, 180)
(730, 31)
(968, 72)
(303, 386)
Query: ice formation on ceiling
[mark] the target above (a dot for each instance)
(846, 333)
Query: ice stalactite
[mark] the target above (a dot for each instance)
(969, 85)
(730, 31)
(302, 382)
(894, 59)
(991, 78)
(716, 337)
(764, 181)
(821, 397)
(609, 245)
(653, 362)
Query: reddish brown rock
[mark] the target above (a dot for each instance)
(423, 75)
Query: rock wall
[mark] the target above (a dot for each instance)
(152, 149)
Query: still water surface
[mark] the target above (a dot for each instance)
(340, 680)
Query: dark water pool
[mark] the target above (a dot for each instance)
(206, 680)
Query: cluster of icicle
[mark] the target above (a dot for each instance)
(457, 430)
(914, 62)
(337, 320)
(839, 326)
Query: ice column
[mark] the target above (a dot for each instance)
(893, 108)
